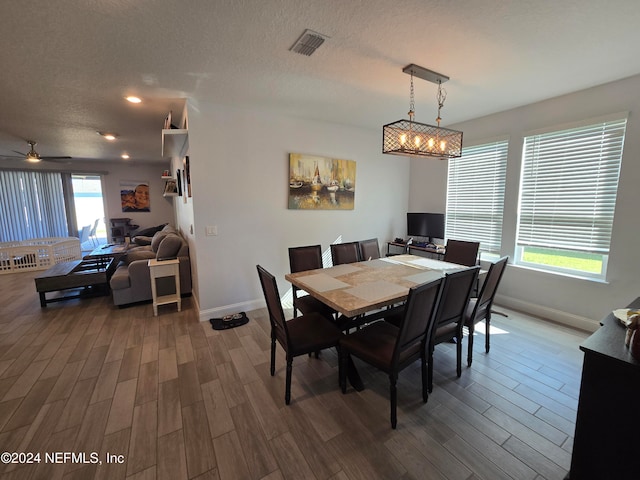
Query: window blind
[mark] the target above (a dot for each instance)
(568, 187)
(31, 205)
(475, 195)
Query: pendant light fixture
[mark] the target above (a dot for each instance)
(414, 139)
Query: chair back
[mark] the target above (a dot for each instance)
(94, 228)
(454, 297)
(419, 315)
(369, 249)
(274, 306)
(345, 253)
(84, 234)
(489, 288)
(461, 252)
(305, 258)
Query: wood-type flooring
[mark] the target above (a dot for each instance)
(167, 397)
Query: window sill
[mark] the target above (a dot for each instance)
(562, 274)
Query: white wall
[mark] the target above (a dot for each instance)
(570, 300)
(240, 174)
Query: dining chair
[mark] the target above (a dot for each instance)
(480, 308)
(450, 316)
(84, 237)
(298, 336)
(369, 249)
(301, 259)
(461, 252)
(92, 233)
(345, 253)
(392, 348)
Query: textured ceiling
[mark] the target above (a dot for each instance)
(66, 65)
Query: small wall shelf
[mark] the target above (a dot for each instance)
(175, 142)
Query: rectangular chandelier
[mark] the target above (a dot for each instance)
(413, 139)
(405, 137)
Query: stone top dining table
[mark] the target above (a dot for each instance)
(357, 288)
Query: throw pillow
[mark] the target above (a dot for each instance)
(138, 255)
(142, 240)
(169, 247)
(157, 238)
(149, 232)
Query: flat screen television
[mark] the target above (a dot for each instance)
(429, 225)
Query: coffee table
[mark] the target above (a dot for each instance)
(110, 250)
(90, 275)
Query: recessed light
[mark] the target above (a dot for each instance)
(108, 136)
(125, 156)
(133, 99)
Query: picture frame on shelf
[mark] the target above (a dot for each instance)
(179, 180)
(170, 187)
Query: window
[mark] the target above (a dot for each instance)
(568, 193)
(475, 196)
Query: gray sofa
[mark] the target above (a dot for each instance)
(131, 281)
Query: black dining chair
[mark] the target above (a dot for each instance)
(301, 259)
(298, 336)
(342, 253)
(461, 252)
(450, 316)
(480, 308)
(392, 348)
(369, 249)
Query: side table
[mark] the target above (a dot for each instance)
(164, 268)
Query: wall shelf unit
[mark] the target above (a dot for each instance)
(175, 142)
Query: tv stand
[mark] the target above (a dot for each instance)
(410, 247)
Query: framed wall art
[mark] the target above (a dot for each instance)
(134, 196)
(321, 183)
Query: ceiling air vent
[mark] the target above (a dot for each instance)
(308, 42)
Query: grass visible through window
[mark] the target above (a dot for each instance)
(580, 261)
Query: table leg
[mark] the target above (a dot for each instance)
(43, 300)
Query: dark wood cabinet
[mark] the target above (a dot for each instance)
(607, 436)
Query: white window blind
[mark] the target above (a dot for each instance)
(31, 206)
(568, 187)
(475, 195)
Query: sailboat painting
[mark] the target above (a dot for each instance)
(321, 183)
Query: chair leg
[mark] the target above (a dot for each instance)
(470, 347)
(342, 369)
(287, 388)
(430, 370)
(393, 396)
(459, 354)
(487, 324)
(273, 356)
(423, 365)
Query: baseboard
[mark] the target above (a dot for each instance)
(557, 316)
(218, 312)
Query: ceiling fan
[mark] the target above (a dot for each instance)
(34, 157)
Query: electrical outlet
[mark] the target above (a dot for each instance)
(211, 230)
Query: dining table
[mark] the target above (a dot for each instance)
(354, 289)
(357, 289)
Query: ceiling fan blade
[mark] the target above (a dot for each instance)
(20, 153)
(55, 158)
